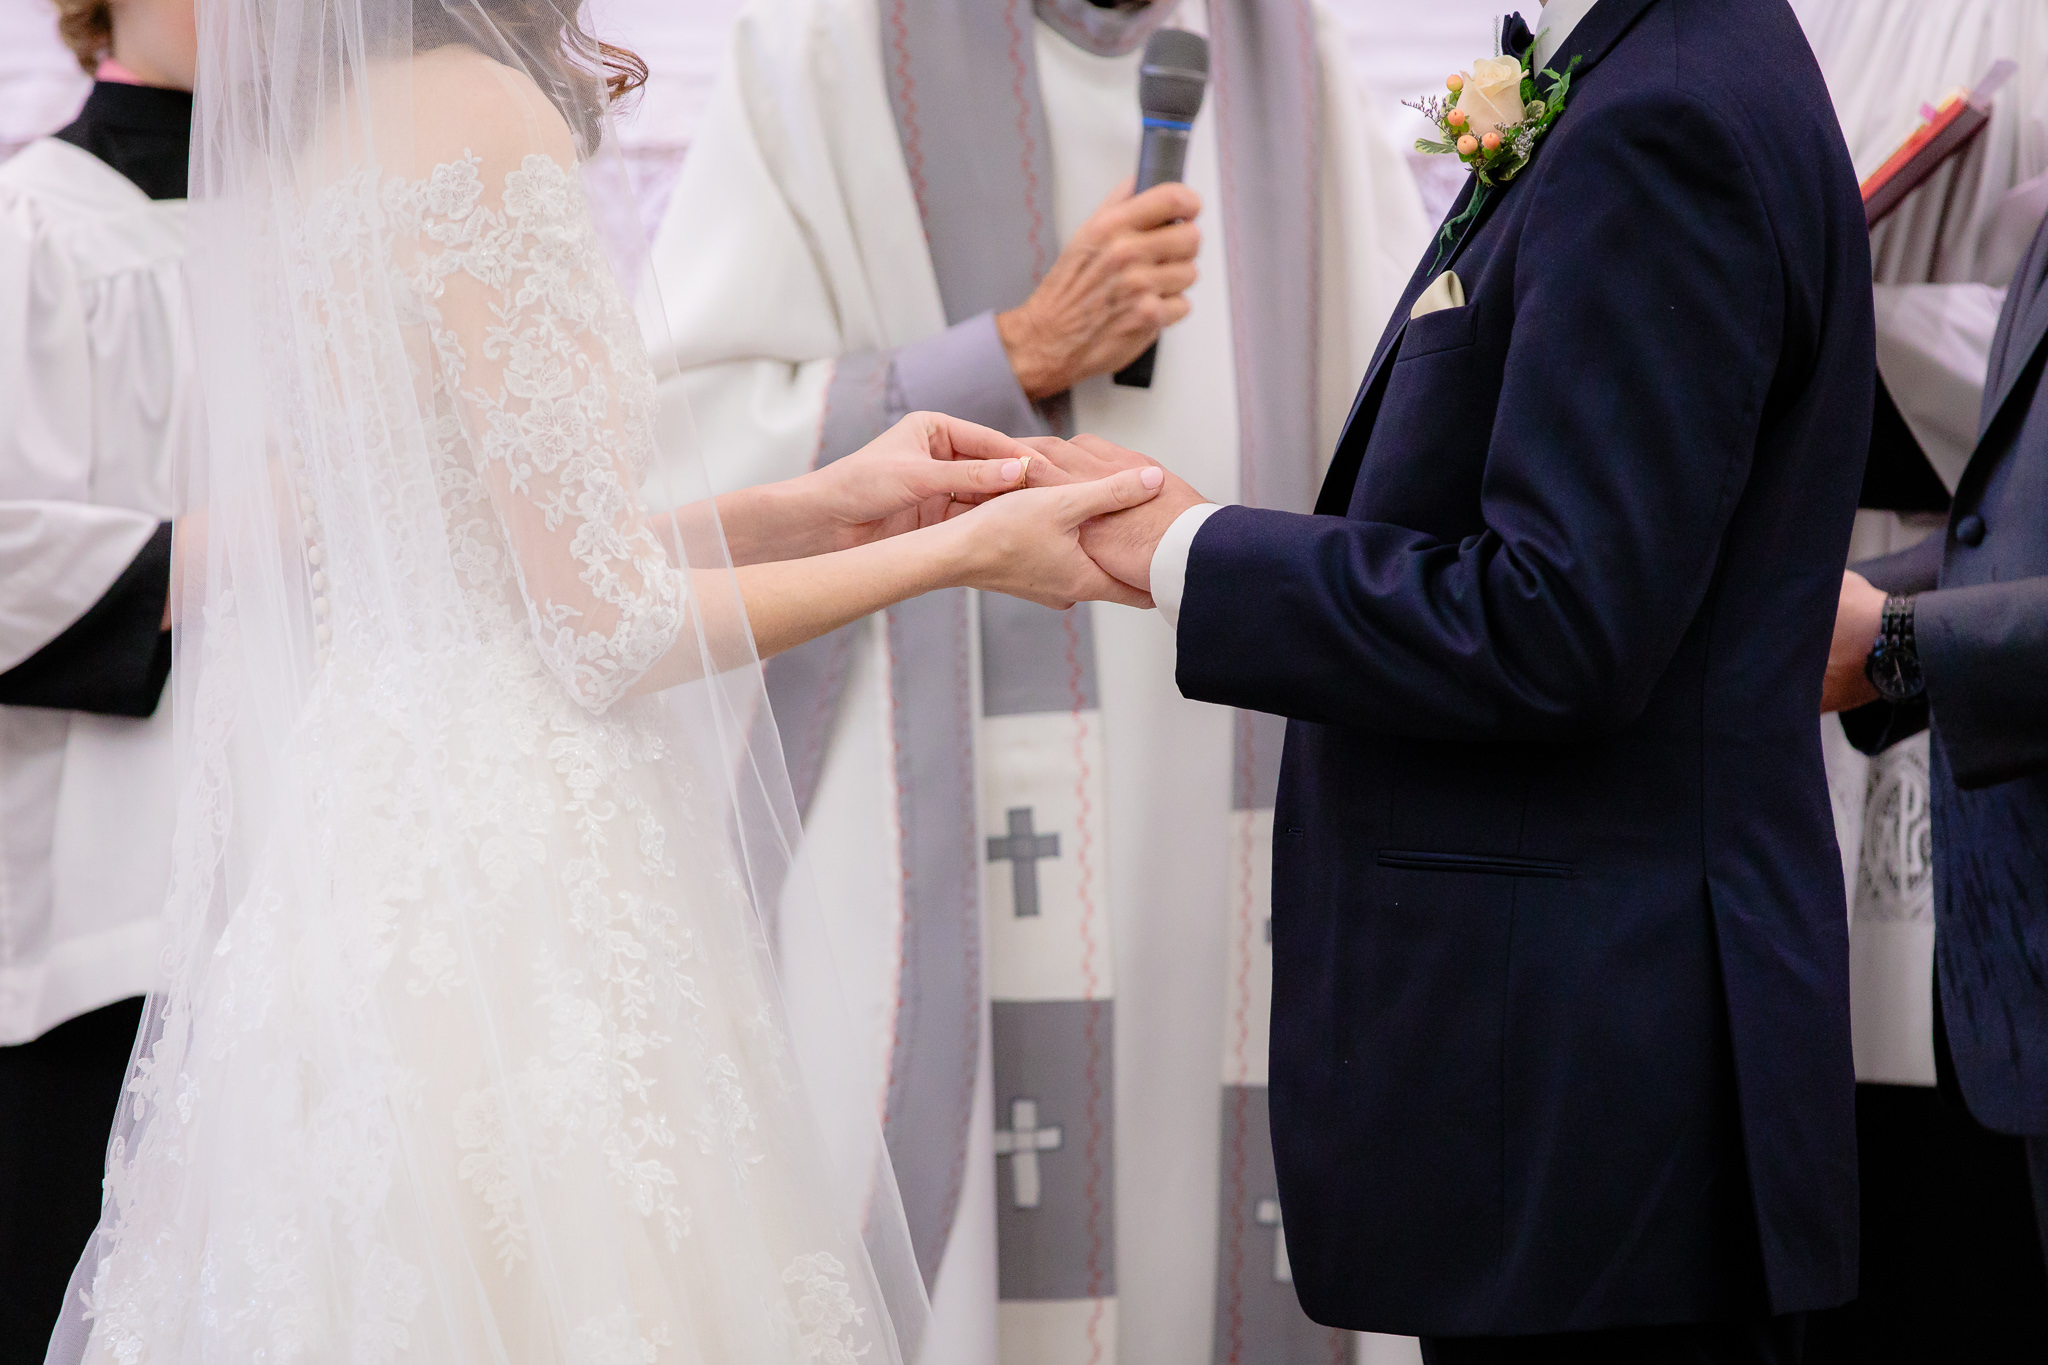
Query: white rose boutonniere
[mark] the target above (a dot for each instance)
(1492, 119)
(1490, 95)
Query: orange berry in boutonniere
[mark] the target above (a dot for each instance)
(1454, 83)
(1491, 142)
(1467, 145)
(1456, 118)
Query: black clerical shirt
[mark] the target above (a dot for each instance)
(142, 131)
(114, 659)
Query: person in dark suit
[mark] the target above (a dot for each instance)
(1952, 635)
(1560, 1050)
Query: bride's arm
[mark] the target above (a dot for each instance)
(1026, 544)
(555, 404)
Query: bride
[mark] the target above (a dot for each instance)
(471, 1045)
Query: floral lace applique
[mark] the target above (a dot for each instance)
(616, 1339)
(825, 1310)
(556, 403)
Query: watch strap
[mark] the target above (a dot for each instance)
(1894, 663)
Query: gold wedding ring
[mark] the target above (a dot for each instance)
(1024, 473)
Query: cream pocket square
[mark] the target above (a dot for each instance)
(1445, 291)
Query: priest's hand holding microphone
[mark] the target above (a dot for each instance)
(1123, 278)
(1118, 284)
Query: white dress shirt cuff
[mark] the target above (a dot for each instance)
(1170, 560)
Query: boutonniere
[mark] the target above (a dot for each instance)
(1491, 120)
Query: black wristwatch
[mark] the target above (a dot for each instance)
(1894, 663)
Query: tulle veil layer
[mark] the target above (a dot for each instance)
(471, 1042)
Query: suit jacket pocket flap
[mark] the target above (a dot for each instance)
(1444, 330)
(1483, 864)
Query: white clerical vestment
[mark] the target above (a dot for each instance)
(1942, 263)
(1123, 885)
(94, 373)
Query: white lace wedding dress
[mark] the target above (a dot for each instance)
(472, 1050)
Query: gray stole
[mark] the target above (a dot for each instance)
(963, 85)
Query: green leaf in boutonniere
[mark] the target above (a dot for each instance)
(1493, 118)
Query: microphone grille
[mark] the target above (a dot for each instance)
(1173, 75)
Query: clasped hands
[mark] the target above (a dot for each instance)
(1055, 522)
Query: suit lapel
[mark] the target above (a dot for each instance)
(1419, 281)
(1336, 490)
(2020, 331)
(1593, 39)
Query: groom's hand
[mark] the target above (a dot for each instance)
(1029, 543)
(1121, 543)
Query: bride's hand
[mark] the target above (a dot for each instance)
(1028, 544)
(925, 469)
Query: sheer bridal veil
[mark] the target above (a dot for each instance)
(471, 1043)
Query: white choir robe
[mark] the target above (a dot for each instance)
(1942, 263)
(94, 374)
(794, 237)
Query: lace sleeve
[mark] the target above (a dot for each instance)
(540, 370)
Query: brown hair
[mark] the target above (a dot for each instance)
(87, 28)
(568, 62)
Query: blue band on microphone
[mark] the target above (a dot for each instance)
(1174, 124)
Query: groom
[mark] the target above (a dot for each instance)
(1560, 1047)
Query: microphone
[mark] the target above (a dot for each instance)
(1171, 80)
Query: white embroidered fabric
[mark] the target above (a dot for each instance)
(471, 1046)
(530, 367)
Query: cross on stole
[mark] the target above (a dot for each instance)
(1268, 1214)
(1022, 1141)
(1023, 847)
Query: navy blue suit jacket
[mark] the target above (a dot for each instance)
(1981, 623)
(1560, 1005)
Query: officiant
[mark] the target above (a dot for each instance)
(1052, 864)
(93, 380)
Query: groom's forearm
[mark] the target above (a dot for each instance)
(1261, 627)
(1381, 627)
